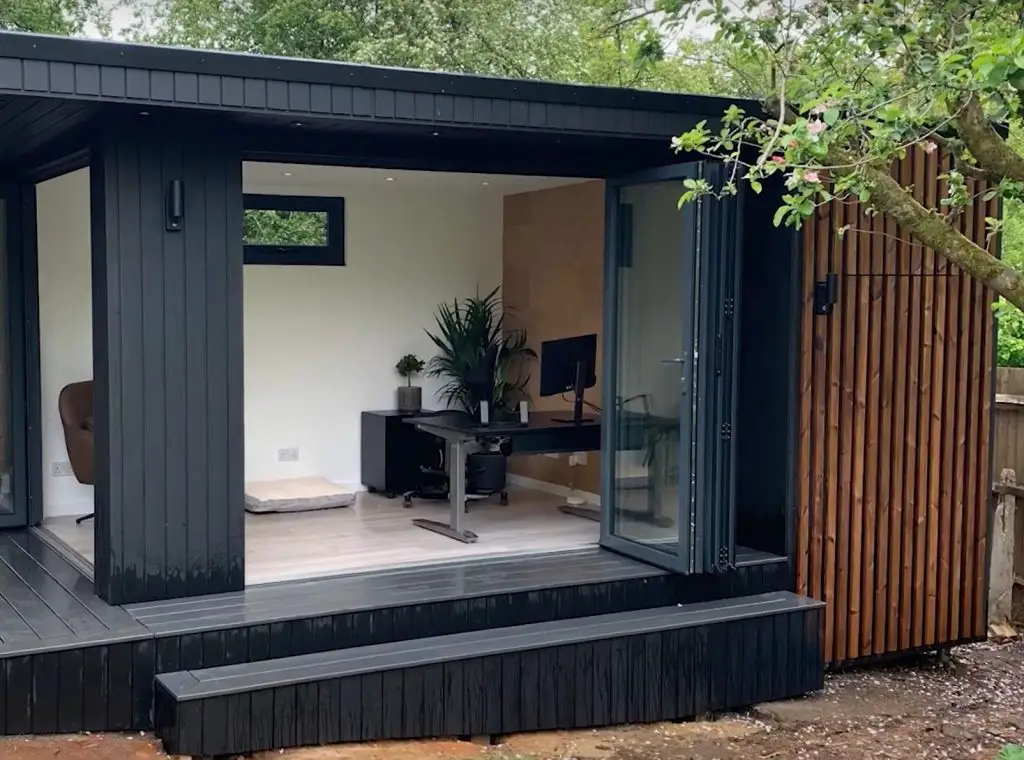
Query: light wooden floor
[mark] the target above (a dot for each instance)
(377, 533)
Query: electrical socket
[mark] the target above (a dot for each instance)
(61, 470)
(288, 455)
(578, 459)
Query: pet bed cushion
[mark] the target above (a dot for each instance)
(296, 495)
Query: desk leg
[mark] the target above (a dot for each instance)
(587, 513)
(458, 451)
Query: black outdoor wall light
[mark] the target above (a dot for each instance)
(175, 207)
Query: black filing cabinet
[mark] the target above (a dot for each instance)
(393, 452)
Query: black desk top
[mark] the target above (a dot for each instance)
(459, 422)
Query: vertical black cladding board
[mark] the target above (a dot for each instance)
(239, 722)
(329, 709)
(350, 713)
(45, 692)
(215, 726)
(96, 677)
(412, 703)
(70, 691)
(454, 721)
(307, 695)
(511, 668)
(143, 672)
(392, 703)
(529, 690)
(263, 720)
(547, 689)
(565, 686)
(167, 356)
(285, 701)
(492, 695)
(19, 695)
(473, 694)
(119, 697)
(372, 687)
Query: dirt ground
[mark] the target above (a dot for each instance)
(968, 708)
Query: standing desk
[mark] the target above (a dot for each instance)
(542, 434)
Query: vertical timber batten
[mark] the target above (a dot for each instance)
(892, 533)
(167, 354)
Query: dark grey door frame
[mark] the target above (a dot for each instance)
(21, 296)
(709, 507)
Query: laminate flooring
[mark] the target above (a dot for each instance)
(377, 533)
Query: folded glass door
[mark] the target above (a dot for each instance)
(13, 505)
(667, 386)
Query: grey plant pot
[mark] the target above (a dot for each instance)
(410, 398)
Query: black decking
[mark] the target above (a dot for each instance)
(70, 662)
(641, 666)
(62, 648)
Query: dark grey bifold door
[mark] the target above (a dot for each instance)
(13, 501)
(668, 386)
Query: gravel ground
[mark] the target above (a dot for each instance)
(926, 710)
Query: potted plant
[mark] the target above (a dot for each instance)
(410, 397)
(466, 331)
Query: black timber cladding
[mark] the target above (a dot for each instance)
(167, 354)
(631, 667)
(105, 681)
(156, 76)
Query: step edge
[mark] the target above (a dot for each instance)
(770, 608)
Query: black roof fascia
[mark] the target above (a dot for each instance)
(250, 66)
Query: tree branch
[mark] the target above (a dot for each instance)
(932, 230)
(991, 151)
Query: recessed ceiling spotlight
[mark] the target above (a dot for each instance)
(297, 124)
(436, 134)
(485, 183)
(143, 113)
(287, 174)
(391, 179)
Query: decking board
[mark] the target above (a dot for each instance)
(606, 670)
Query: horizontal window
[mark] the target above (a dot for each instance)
(295, 230)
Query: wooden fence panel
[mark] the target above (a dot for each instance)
(894, 475)
(1009, 443)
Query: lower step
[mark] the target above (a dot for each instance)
(630, 667)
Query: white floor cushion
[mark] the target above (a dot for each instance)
(296, 495)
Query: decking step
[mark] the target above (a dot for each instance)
(658, 664)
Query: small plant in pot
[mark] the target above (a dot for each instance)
(466, 331)
(410, 397)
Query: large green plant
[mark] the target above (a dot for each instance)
(466, 329)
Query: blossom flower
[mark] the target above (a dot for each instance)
(811, 177)
(928, 146)
(779, 160)
(816, 127)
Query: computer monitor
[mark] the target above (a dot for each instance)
(569, 364)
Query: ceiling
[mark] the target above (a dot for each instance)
(340, 178)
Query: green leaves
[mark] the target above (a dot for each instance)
(1011, 751)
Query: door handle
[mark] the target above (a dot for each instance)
(676, 360)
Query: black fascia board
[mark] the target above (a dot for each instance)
(246, 65)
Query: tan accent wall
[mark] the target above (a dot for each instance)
(552, 285)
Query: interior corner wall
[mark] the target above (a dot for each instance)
(553, 276)
(65, 324)
(321, 343)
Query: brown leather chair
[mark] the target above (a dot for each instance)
(75, 405)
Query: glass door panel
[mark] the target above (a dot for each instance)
(9, 514)
(667, 400)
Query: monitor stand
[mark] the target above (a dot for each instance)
(577, 403)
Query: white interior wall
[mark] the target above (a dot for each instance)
(65, 325)
(321, 343)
